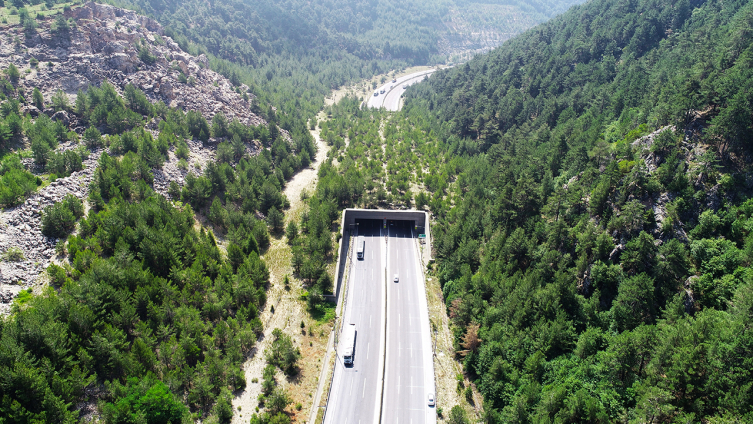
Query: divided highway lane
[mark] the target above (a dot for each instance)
(356, 390)
(390, 100)
(409, 367)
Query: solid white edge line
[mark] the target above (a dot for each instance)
(430, 416)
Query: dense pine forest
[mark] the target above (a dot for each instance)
(146, 318)
(293, 53)
(594, 247)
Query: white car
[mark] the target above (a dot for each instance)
(376, 93)
(430, 398)
(396, 278)
(405, 87)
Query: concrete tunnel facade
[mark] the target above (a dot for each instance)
(420, 221)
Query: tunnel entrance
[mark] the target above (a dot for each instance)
(385, 227)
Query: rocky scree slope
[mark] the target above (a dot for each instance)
(104, 45)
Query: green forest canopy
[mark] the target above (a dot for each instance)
(606, 279)
(293, 53)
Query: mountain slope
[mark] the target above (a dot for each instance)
(594, 248)
(294, 53)
(142, 314)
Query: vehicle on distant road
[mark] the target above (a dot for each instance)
(405, 87)
(349, 344)
(381, 91)
(376, 93)
(394, 80)
(360, 246)
(396, 279)
(430, 398)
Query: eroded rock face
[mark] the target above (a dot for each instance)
(105, 45)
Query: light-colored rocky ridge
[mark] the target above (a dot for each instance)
(103, 45)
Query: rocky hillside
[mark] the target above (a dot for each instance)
(104, 43)
(122, 47)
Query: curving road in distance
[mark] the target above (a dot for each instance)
(393, 91)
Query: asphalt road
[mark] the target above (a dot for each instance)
(390, 100)
(356, 389)
(409, 368)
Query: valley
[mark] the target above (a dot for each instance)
(173, 178)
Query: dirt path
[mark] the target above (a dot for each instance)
(289, 312)
(306, 179)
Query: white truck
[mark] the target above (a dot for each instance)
(349, 344)
(360, 246)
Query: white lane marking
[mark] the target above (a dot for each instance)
(367, 352)
(411, 383)
(370, 320)
(363, 392)
(411, 355)
(398, 384)
(398, 320)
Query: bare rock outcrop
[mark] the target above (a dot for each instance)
(122, 47)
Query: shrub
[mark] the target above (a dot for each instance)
(13, 73)
(144, 401)
(291, 232)
(92, 137)
(457, 416)
(37, 98)
(282, 354)
(57, 274)
(275, 219)
(59, 219)
(174, 190)
(16, 184)
(13, 254)
(182, 152)
(60, 101)
(146, 55)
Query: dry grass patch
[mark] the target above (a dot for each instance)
(9, 15)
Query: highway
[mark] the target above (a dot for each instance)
(356, 390)
(390, 100)
(400, 348)
(409, 367)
